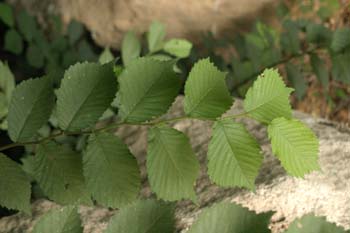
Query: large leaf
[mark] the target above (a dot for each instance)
(178, 47)
(147, 89)
(131, 48)
(58, 171)
(86, 91)
(206, 94)
(295, 145)
(15, 186)
(155, 37)
(297, 79)
(234, 155)
(111, 171)
(268, 98)
(171, 164)
(312, 224)
(230, 218)
(341, 39)
(144, 216)
(63, 220)
(30, 107)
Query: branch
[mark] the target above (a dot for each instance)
(115, 126)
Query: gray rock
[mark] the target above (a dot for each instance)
(325, 193)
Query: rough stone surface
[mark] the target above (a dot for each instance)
(325, 193)
(108, 20)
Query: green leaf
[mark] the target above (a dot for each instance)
(131, 48)
(111, 171)
(231, 218)
(317, 33)
(7, 81)
(155, 37)
(341, 39)
(341, 67)
(143, 216)
(86, 52)
(178, 47)
(62, 220)
(268, 98)
(171, 164)
(319, 67)
(6, 14)
(34, 56)
(206, 94)
(86, 91)
(295, 145)
(290, 41)
(106, 56)
(13, 42)
(312, 224)
(147, 89)
(59, 173)
(15, 186)
(26, 25)
(75, 30)
(30, 108)
(297, 79)
(234, 157)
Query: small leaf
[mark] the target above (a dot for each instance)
(34, 56)
(230, 218)
(155, 37)
(171, 164)
(319, 67)
(86, 52)
(341, 39)
(6, 14)
(13, 42)
(111, 171)
(143, 216)
(147, 89)
(7, 81)
(312, 224)
(131, 48)
(63, 220)
(234, 155)
(58, 171)
(178, 47)
(30, 108)
(295, 145)
(268, 98)
(86, 91)
(317, 33)
(297, 79)
(75, 30)
(206, 94)
(26, 25)
(341, 67)
(106, 56)
(290, 41)
(15, 186)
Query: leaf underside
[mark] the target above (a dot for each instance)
(234, 157)
(295, 145)
(268, 98)
(171, 164)
(111, 171)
